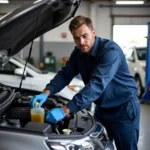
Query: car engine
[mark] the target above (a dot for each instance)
(15, 113)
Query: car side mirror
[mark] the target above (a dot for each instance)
(19, 71)
(131, 59)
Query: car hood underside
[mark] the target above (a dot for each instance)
(20, 27)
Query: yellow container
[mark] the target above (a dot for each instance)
(38, 114)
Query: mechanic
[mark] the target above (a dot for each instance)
(108, 84)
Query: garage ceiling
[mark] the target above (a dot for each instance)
(84, 0)
(146, 2)
(111, 3)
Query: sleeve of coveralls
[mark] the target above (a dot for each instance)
(64, 76)
(107, 67)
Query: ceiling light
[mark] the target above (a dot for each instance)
(4, 1)
(129, 2)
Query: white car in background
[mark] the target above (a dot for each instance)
(34, 78)
(136, 58)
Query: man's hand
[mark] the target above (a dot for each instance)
(41, 98)
(66, 110)
(55, 115)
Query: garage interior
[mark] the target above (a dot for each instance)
(126, 24)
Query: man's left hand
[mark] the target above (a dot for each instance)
(55, 115)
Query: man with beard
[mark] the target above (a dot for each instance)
(108, 84)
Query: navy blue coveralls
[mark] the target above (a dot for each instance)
(109, 85)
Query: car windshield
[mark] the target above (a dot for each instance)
(141, 53)
(29, 65)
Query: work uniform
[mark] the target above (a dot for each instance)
(109, 85)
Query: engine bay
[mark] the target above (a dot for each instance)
(15, 113)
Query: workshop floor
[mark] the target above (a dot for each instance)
(144, 139)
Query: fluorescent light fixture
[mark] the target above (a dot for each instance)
(4, 1)
(129, 2)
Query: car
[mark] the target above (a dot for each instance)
(136, 59)
(34, 79)
(17, 130)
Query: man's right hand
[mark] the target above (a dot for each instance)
(41, 98)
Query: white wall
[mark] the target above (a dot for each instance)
(103, 22)
(56, 33)
(100, 16)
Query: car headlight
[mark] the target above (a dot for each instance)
(62, 146)
(82, 144)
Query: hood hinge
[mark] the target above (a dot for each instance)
(3, 58)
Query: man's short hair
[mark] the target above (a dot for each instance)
(79, 21)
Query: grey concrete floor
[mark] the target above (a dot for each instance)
(144, 138)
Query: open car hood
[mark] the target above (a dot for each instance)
(18, 27)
